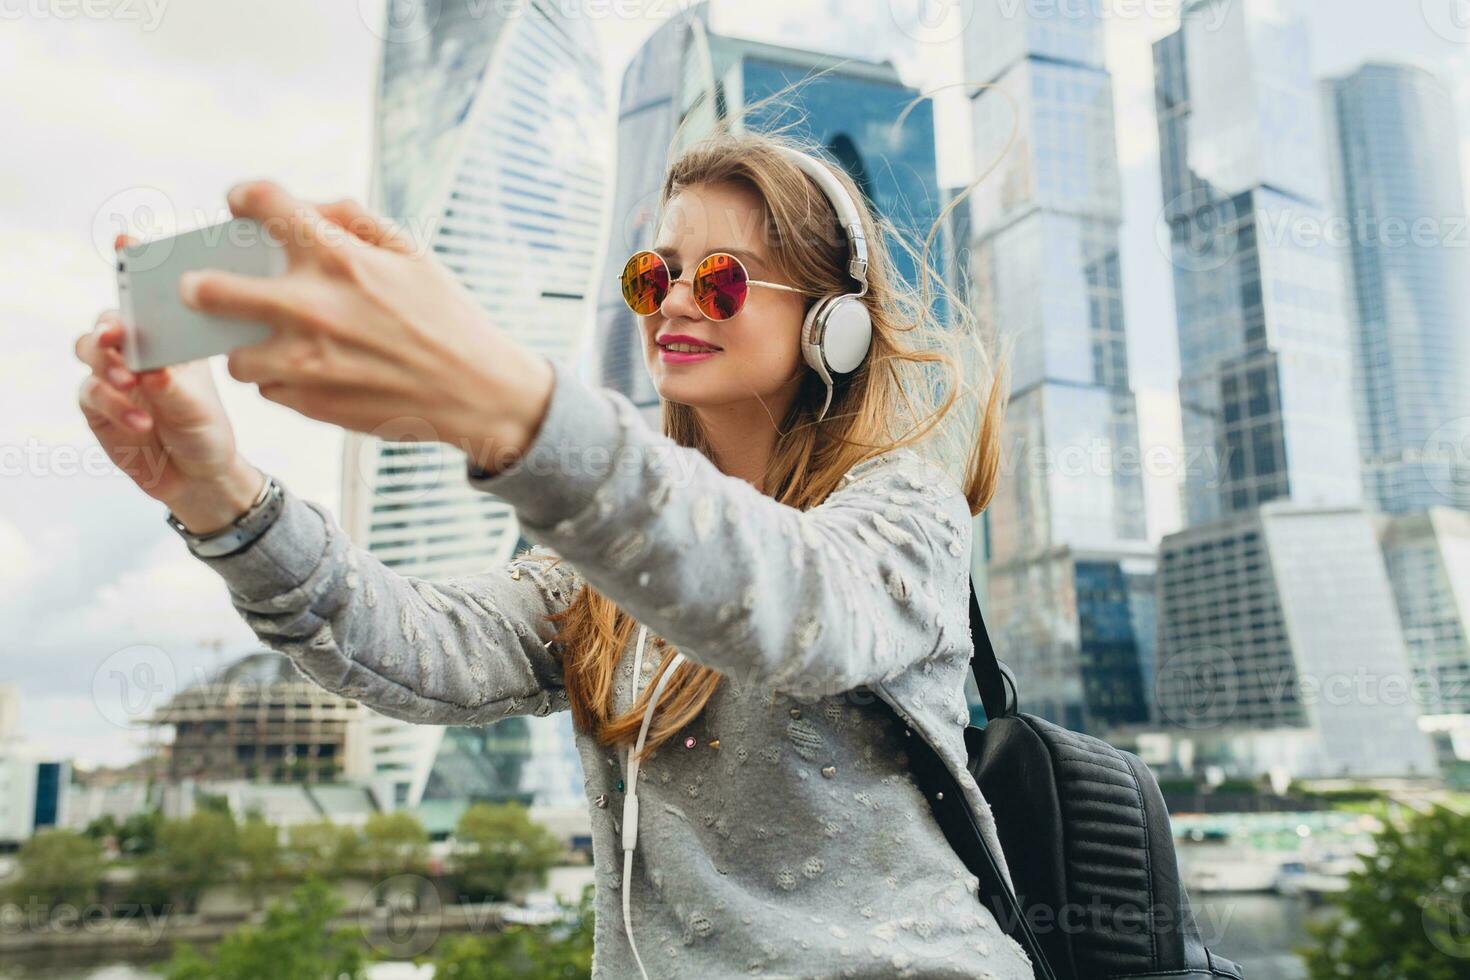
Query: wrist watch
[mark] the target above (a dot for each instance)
(240, 534)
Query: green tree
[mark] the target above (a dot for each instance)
(1407, 912)
(294, 943)
(558, 952)
(323, 849)
(139, 833)
(260, 854)
(503, 853)
(394, 843)
(191, 854)
(57, 867)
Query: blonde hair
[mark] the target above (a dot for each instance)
(912, 390)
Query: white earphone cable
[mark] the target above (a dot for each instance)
(630, 802)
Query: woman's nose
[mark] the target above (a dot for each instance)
(680, 302)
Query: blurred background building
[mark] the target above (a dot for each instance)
(683, 79)
(1393, 143)
(1277, 586)
(490, 147)
(1070, 568)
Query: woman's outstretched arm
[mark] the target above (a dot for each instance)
(467, 651)
(816, 602)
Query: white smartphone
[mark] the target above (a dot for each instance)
(159, 329)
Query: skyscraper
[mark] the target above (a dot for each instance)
(1393, 143)
(1070, 567)
(851, 111)
(490, 148)
(1265, 378)
(1276, 586)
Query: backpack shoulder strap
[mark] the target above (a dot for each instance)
(989, 677)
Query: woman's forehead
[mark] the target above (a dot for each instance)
(708, 218)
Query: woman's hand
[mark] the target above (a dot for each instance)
(368, 330)
(166, 429)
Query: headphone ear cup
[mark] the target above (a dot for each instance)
(842, 333)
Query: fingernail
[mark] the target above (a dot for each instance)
(119, 377)
(189, 287)
(138, 420)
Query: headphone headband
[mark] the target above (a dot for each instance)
(847, 212)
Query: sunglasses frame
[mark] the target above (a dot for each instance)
(672, 282)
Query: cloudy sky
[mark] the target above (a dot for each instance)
(152, 108)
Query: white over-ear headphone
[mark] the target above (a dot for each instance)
(838, 329)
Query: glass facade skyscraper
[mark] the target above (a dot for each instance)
(1274, 600)
(850, 111)
(1070, 569)
(490, 147)
(1265, 377)
(1393, 141)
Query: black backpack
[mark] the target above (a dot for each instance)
(1086, 837)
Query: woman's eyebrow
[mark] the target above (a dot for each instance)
(743, 254)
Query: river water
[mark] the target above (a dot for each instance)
(1257, 931)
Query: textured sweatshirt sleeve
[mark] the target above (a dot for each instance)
(465, 651)
(812, 602)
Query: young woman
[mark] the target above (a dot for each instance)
(748, 615)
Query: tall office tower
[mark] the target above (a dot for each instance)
(851, 111)
(1276, 586)
(1281, 647)
(490, 147)
(1394, 146)
(1265, 376)
(1070, 566)
(1428, 559)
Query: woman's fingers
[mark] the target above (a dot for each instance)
(100, 401)
(371, 228)
(294, 223)
(229, 294)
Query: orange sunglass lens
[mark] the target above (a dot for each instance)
(645, 283)
(720, 286)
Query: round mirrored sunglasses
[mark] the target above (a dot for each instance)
(720, 284)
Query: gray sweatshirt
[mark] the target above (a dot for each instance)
(781, 834)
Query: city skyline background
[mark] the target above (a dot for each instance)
(120, 118)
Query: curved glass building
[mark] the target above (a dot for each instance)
(1393, 143)
(491, 148)
(851, 111)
